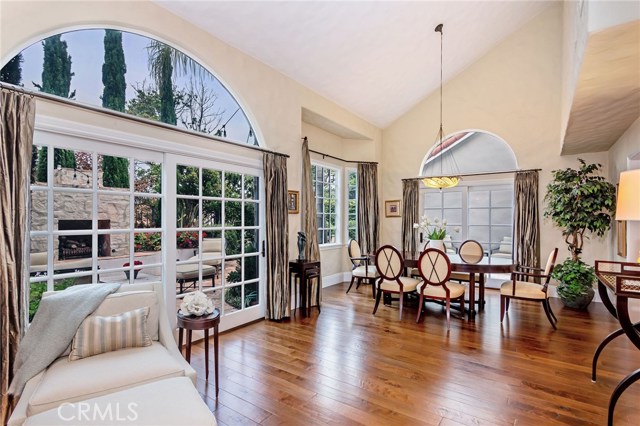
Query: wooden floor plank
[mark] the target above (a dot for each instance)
(346, 366)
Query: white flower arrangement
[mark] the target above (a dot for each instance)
(196, 303)
(435, 229)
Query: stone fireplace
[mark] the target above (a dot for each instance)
(80, 246)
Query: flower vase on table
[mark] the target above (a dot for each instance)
(435, 230)
(437, 244)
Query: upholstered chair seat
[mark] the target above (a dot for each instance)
(455, 290)
(365, 272)
(408, 285)
(524, 289)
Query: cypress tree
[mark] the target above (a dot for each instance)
(56, 68)
(167, 100)
(113, 71)
(12, 71)
(41, 172)
(115, 172)
(34, 164)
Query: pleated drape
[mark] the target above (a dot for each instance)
(17, 113)
(410, 215)
(526, 222)
(277, 221)
(309, 219)
(368, 207)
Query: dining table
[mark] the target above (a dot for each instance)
(486, 265)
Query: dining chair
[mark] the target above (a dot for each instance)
(390, 265)
(520, 288)
(470, 251)
(435, 269)
(361, 270)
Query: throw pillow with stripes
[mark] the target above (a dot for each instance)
(98, 334)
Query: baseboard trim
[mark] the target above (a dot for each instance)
(340, 277)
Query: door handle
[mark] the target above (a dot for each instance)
(264, 251)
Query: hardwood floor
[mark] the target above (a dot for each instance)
(346, 367)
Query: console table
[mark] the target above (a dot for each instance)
(305, 270)
(623, 280)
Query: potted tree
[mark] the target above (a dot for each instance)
(580, 202)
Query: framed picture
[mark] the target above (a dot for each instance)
(621, 236)
(392, 208)
(293, 202)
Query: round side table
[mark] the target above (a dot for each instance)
(206, 322)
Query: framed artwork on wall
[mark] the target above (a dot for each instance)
(293, 202)
(621, 237)
(392, 208)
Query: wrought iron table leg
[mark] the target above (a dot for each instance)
(622, 386)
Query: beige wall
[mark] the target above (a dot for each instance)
(271, 101)
(514, 92)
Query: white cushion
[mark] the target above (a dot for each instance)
(167, 402)
(70, 381)
(455, 290)
(118, 303)
(408, 285)
(190, 271)
(523, 289)
(369, 272)
(212, 245)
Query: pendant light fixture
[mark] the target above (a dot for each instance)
(442, 181)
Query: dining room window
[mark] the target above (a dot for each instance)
(326, 184)
(352, 204)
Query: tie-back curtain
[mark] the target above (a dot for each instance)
(309, 218)
(410, 215)
(17, 113)
(277, 224)
(526, 219)
(368, 207)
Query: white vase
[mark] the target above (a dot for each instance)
(437, 244)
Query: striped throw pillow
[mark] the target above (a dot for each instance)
(99, 334)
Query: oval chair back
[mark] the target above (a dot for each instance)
(389, 262)
(471, 251)
(434, 267)
(354, 252)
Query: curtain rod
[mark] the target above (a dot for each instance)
(100, 110)
(338, 158)
(479, 174)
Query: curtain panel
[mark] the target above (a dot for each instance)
(309, 219)
(368, 207)
(17, 113)
(410, 215)
(526, 219)
(277, 224)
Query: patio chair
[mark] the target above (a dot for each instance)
(390, 265)
(435, 269)
(519, 288)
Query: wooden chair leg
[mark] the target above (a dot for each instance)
(375, 308)
(351, 284)
(462, 306)
(373, 288)
(551, 311)
(502, 307)
(358, 282)
(545, 304)
(507, 304)
(401, 299)
(448, 307)
(420, 307)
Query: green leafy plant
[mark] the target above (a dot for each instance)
(148, 241)
(576, 278)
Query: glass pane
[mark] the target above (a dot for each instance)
(251, 241)
(233, 242)
(251, 217)
(452, 199)
(478, 199)
(187, 240)
(433, 200)
(251, 187)
(211, 213)
(73, 253)
(187, 211)
(211, 183)
(39, 210)
(66, 170)
(148, 177)
(147, 242)
(148, 212)
(233, 213)
(216, 296)
(251, 268)
(233, 299)
(38, 257)
(479, 233)
(233, 271)
(478, 216)
(188, 277)
(115, 173)
(72, 210)
(453, 216)
(39, 165)
(433, 214)
(119, 248)
(35, 295)
(188, 180)
(251, 295)
(114, 210)
(61, 284)
(501, 198)
(232, 185)
(501, 216)
(498, 233)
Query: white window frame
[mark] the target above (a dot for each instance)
(347, 171)
(339, 222)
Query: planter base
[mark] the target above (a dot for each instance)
(581, 302)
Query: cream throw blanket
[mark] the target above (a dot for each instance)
(53, 328)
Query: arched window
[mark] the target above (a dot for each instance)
(133, 74)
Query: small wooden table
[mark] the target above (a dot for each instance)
(623, 280)
(206, 322)
(305, 269)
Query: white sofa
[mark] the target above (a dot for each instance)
(123, 375)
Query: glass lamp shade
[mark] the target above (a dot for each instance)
(441, 182)
(628, 204)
